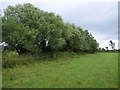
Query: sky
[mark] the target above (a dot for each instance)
(99, 17)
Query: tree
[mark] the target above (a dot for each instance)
(103, 49)
(29, 29)
(112, 45)
(19, 36)
(106, 48)
(80, 40)
(89, 43)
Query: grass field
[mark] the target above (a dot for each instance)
(98, 70)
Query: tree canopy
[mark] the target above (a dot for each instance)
(29, 29)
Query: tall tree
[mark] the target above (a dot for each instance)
(112, 45)
(106, 48)
(29, 29)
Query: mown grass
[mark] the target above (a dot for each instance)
(98, 70)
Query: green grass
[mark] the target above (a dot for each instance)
(98, 70)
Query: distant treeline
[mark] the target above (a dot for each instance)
(27, 29)
(104, 50)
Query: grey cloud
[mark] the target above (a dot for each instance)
(101, 20)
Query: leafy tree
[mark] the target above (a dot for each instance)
(19, 36)
(103, 49)
(106, 48)
(99, 49)
(89, 43)
(112, 45)
(29, 29)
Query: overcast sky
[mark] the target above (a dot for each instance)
(100, 17)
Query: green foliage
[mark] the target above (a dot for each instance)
(80, 40)
(112, 45)
(29, 29)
